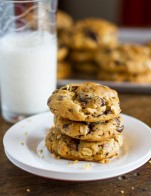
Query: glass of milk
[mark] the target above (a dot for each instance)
(27, 57)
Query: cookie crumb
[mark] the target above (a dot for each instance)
(120, 178)
(28, 190)
(122, 192)
(41, 151)
(136, 174)
(72, 162)
(52, 155)
(132, 188)
(75, 162)
(87, 166)
(104, 161)
(22, 143)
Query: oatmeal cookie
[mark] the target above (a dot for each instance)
(123, 77)
(90, 68)
(74, 149)
(63, 70)
(62, 51)
(128, 58)
(93, 33)
(83, 55)
(95, 131)
(64, 20)
(88, 102)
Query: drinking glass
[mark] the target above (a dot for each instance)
(28, 49)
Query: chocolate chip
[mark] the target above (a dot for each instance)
(120, 129)
(70, 110)
(77, 142)
(73, 88)
(107, 50)
(118, 62)
(108, 112)
(117, 121)
(65, 126)
(103, 102)
(62, 45)
(60, 98)
(92, 35)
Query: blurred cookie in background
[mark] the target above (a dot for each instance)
(85, 70)
(92, 33)
(63, 70)
(127, 58)
(64, 20)
(82, 55)
(62, 51)
(125, 77)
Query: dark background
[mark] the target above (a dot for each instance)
(132, 13)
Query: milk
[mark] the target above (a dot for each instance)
(27, 71)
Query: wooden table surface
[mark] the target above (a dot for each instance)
(14, 181)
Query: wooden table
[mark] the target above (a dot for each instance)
(14, 181)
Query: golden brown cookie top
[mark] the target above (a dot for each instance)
(131, 58)
(64, 20)
(93, 33)
(96, 25)
(88, 101)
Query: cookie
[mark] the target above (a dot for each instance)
(128, 58)
(88, 102)
(74, 149)
(95, 131)
(64, 20)
(93, 33)
(63, 70)
(62, 51)
(90, 68)
(123, 77)
(83, 55)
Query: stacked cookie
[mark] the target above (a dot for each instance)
(87, 122)
(126, 62)
(64, 24)
(87, 36)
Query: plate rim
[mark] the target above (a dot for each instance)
(81, 172)
(69, 178)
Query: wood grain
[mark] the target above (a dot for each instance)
(14, 181)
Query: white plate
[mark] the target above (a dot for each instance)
(24, 140)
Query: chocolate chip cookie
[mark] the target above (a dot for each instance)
(64, 20)
(95, 131)
(74, 149)
(62, 51)
(88, 102)
(127, 58)
(83, 55)
(63, 70)
(86, 68)
(93, 33)
(124, 77)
